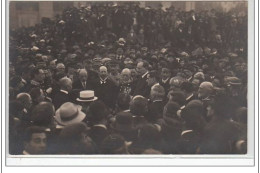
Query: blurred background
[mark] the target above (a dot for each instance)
(29, 13)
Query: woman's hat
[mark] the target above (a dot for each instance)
(69, 113)
(86, 96)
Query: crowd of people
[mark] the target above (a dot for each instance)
(121, 79)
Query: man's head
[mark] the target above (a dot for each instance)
(38, 75)
(25, 99)
(139, 105)
(126, 74)
(157, 92)
(16, 82)
(37, 95)
(103, 72)
(66, 84)
(97, 112)
(166, 73)
(196, 84)
(205, 90)
(42, 114)
(114, 144)
(83, 75)
(60, 67)
(175, 82)
(35, 140)
(177, 96)
(74, 140)
(152, 78)
(142, 68)
(52, 64)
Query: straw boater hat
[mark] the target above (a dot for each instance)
(69, 113)
(87, 96)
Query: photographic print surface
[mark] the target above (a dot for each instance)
(127, 78)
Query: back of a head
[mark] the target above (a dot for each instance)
(158, 92)
(35, 92)
(126, 71)
(114, 144)
(65, 83)
(149, 134)
(23, 98)
(72, 140)
(207, 85)
(170, 109)
(123, 101)
(138, 105)
(98, 111)
(151, 151)
(72, 133)
(178, 97)
(42, 114)
(193, 113)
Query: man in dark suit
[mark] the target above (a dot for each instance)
(105, 89)
(156, 104)
(37, 79)
(187, 88)
(142, 70)
(62, 96)
(97, 113)
(83, 83)
(220, 134)
(165, 78)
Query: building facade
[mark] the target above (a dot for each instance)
(22, 13)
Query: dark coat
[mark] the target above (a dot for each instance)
(78, 85)
(219, 137)
(98, 134)
(107, 92)
(141, 87)
(165, 85)
(155, 111)
(60, 98)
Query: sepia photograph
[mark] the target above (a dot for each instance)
(127, 78)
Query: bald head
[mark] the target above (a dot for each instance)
(157, 92)
(205, 89)
(25, 99)
(126, 75)
(126, 71)
(83, 75)
(60, 67)
(66, 84)
(103, 72)
(138, 105)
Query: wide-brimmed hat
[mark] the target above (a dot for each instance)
(69, 113)
(86, 96)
